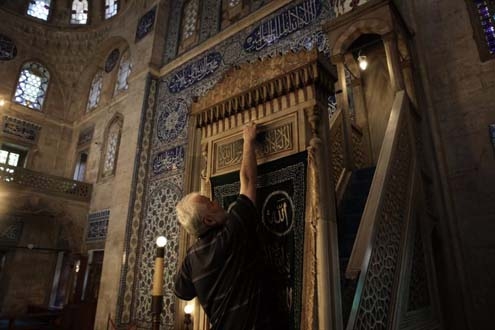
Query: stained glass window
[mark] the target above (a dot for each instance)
(111, 8)
(111, 147)
(123, 75)
(491, 130)
(39, 9)
(112, 60)
(32, 85)
(79, 13)
(486, 12)
(190, 17)
(95, 91)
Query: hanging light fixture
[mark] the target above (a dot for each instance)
(363, 62)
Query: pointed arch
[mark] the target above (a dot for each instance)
(125, 69)
(358, 28)
(110, 154)
(95, 91)
(32, 85)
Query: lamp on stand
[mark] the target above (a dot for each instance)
(188, 309)
(157, 290)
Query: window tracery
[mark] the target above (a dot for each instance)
(112, 142)
(39, 9)
(111, 8)
(191, 10)
(190, 24)
(125, 69)
(95, 91)
(482, 14)
(79, 13)
(32, 85)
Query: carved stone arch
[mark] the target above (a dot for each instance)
(110, 148)
(364, 26)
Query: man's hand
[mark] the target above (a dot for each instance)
(248, 171)
(249, 133)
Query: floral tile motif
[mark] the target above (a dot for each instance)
(172, 120)
(160, 220)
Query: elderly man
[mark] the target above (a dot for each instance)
(224, 267)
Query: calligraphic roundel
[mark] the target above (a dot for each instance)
(277, 213)
(172, 121)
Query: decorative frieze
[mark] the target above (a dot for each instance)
(97, 225)
(19, 128)
(265, 92)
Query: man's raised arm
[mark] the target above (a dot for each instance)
(249, 171)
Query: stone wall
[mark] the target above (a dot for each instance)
(459, 98)
(73, 56)
(46, 226)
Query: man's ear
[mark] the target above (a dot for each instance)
(210, 222)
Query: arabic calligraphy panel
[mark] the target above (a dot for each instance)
(20, 128)
(282, 25)
(195, 72)
(168, 160)
(228, 154)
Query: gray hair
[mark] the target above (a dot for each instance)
(190, 213)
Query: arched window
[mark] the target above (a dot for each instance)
(111, 8)
(482, 14)
(111, 149)
(39, 9)
(79, 13)
(125, 68)
(190, 17)
(95, 91)
(32, 85)
(190, 24)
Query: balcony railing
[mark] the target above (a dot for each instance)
(48, 184)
